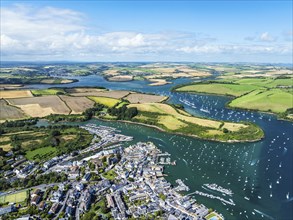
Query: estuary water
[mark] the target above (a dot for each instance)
(259, 174)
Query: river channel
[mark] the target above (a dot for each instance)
(259, 174)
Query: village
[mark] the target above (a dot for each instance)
(113, 183)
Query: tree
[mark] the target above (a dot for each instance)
(55, 133)
(225, 130)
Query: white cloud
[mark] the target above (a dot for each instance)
(266, 37)
(49, 33)
(237, 49)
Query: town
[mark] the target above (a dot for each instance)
(112, 183)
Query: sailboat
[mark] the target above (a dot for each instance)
(287, 196)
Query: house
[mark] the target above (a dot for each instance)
(36, 192)
(10, 161)
(79, 187)
(57, 196)
(18, 162)
(54, 208)
(42, 205)
(110, 201)
(86, 177)
(35, 200)
(70, 211)
(74, 172)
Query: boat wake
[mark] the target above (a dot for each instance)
(264, 214)
(158, 139)
(185, 162)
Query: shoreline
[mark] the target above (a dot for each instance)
(236, 108)
(178, 133)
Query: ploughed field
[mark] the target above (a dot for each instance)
(116, 105)
(263, 94)
(17, 104)
(10, 112)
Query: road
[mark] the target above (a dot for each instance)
(42, 186)
(63, 204)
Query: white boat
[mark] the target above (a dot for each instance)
(287, 196)
(270, 186)
(246, 198)
(259, 197)
(204, 110)
(278, 182)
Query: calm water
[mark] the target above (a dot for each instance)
(260, 171)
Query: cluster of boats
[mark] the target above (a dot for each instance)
(219, 189)
(230, 201)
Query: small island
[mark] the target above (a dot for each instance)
(81, 104)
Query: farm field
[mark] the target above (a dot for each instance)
(263, 82)
(41, 106)
(11, 112)
(263, 94)
(168, 118)
(41, 92)
(40, 153)
(109, 102)
(157, 74)
(14, 198)
(164, 109)
(110, 94)
(274, 100)
(120, 78)
(15, 94)
(218, 88)
(82, 90)
(144, 98)
(77, 104)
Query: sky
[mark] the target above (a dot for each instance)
(174, 31)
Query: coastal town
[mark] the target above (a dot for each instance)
(107, 180)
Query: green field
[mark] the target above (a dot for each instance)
(109, 102)
(110, 175)
(274, 100)
(169, 119)
(41, 92)
(263, 94)
(218, 88)
(40, 153)
(262, 82)
(14, 198)
(122, 104)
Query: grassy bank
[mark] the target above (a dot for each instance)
(261, 94)
(170, 119)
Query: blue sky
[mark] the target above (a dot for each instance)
(199, 31)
